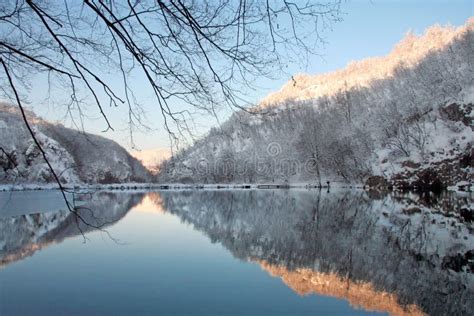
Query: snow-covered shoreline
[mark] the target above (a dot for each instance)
(460, 187)
(164, 186)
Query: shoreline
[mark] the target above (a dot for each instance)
(216, 186)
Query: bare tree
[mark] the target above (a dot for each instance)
(197, 53)
(310, 139)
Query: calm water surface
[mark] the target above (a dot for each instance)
(255, 252)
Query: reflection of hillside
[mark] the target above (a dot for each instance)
(359, 294)
(23, 235)
(344, 234)
(27, 251)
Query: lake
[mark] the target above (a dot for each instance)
(236, 252)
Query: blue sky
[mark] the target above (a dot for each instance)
(369, 28)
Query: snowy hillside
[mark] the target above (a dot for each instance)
(402, 120)
(76, 157)
(407, 53)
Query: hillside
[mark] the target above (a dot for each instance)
(76, 157)
(401, 120)
(407, 53)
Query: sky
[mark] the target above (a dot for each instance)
(369, 28)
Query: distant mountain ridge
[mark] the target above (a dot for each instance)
(75, 156)
(151, 158)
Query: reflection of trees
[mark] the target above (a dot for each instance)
(23, 235)
(395, 249)
(349, 235)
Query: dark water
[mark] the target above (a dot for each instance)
(256, 252)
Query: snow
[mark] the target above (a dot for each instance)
(367, 119)
(446, 140)
(362, 73)
(77, 158)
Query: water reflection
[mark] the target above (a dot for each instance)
(395, 244)
(399, 254)
(23, 235)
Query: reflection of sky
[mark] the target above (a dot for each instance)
(164, 267)
(370, 28)
(16, 203)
